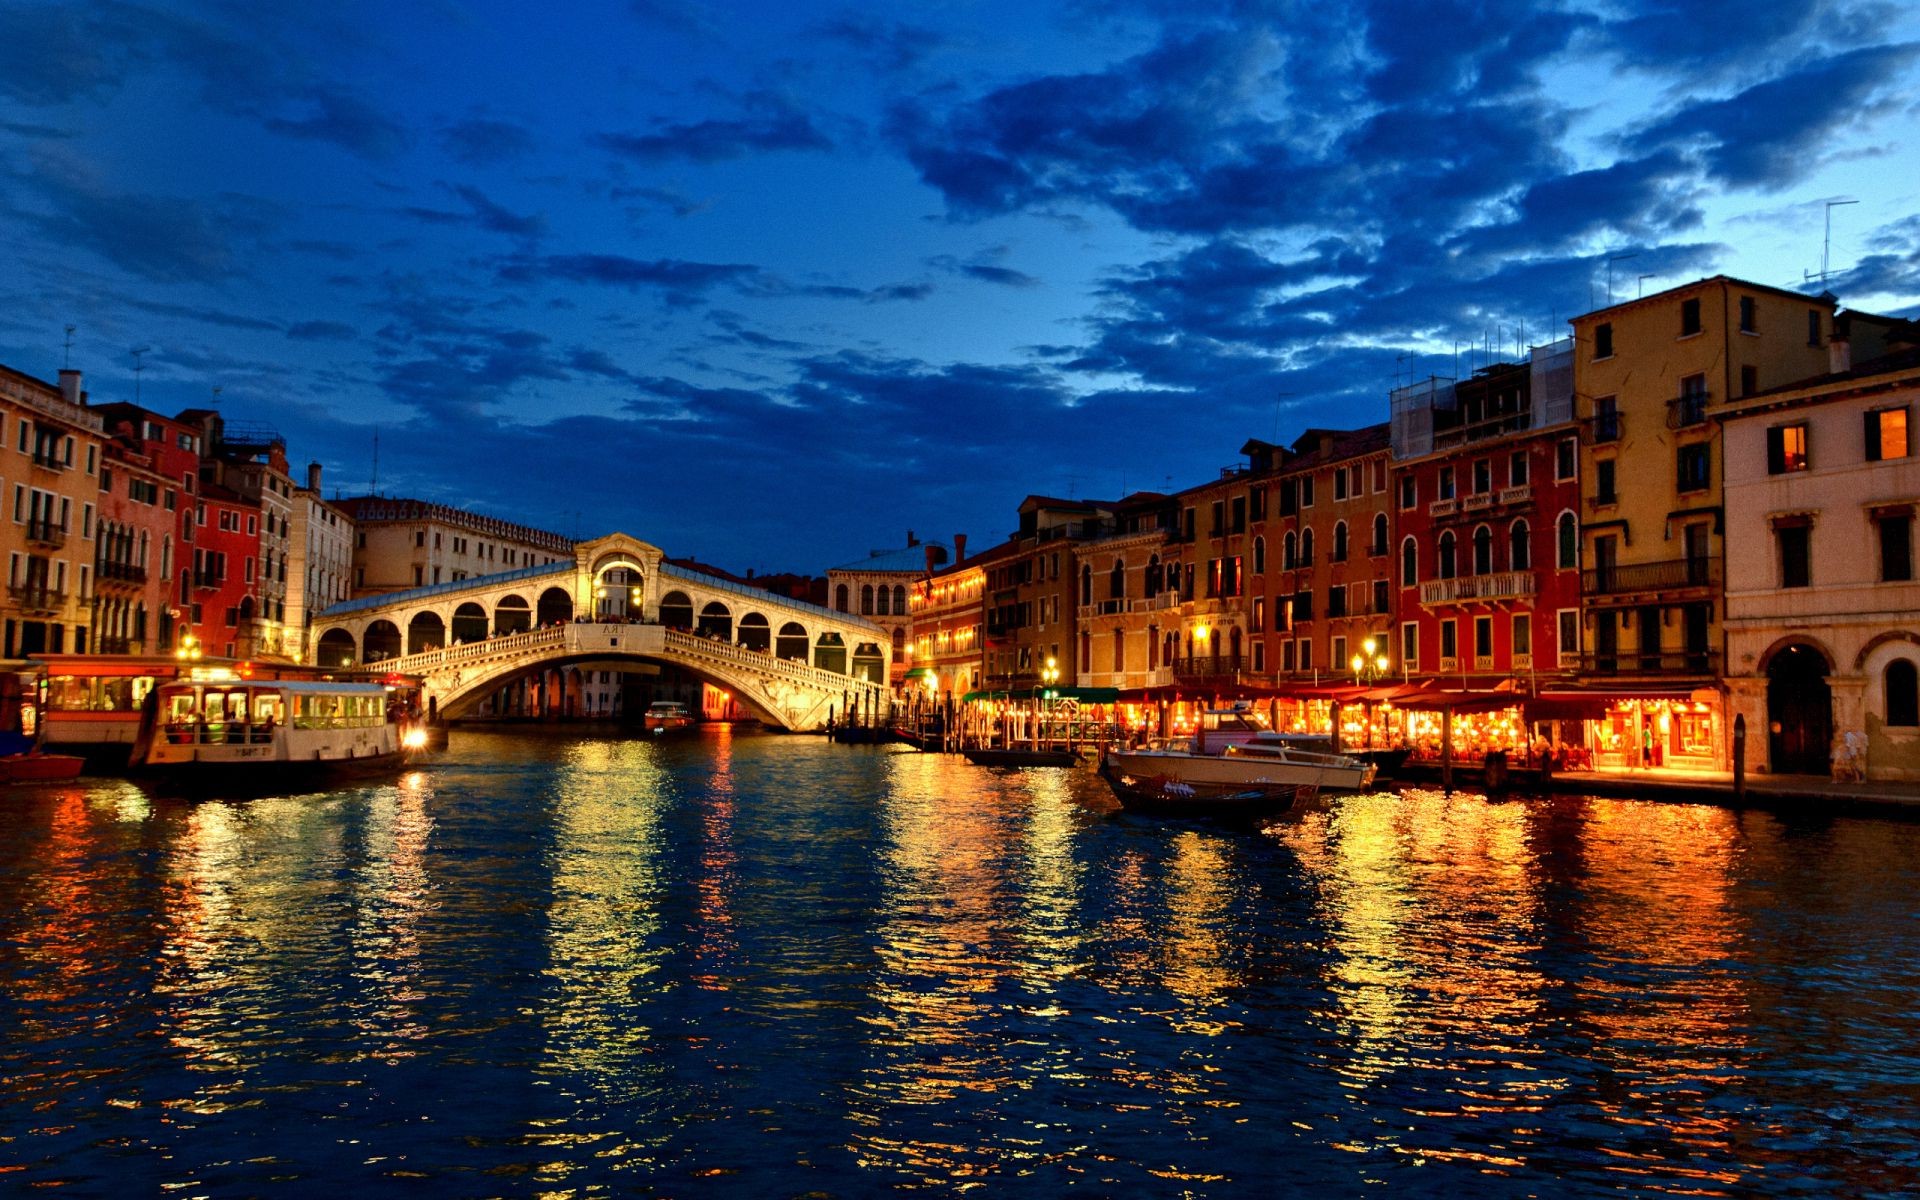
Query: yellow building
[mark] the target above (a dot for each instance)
(50, 447)
(1650, 378)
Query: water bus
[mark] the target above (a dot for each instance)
(274, 732)
(667, 716)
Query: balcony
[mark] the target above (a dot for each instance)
(1518, 494)
(1213, 670)
(207, 581)
(1672, 575)
(119, 572)
(47, 460)
(1603, 428)
(1449, 664)
(34, 598)
(1663, 662)
(1443, 508)
(1467, 589)
(1477, 501)
(1684, 412)
(1102, 608)
(47, 533)
(1156, 602)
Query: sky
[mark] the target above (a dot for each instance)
(769, 285)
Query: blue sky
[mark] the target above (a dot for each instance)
(771, 284)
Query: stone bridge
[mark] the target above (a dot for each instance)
(619, 601)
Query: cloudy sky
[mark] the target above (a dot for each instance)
(770, 284)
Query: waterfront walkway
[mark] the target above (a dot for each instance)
(1802, 792)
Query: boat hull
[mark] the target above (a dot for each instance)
(1161, 795)
(1021, 758)
(40, 768)
(1230, 771)
(263, 777)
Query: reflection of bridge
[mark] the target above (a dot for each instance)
(616, 601)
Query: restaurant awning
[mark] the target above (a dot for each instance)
(918, 673)
(1084, 695)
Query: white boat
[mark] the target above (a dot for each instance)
(271, 733)
(1231, 761)
(665, 716)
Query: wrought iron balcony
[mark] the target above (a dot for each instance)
(1672, 574)
(1684, 412)
(1604, 427)
(36, 598)
(1213, 670)
(47, 533)
(1464, 589)
(48, 460)
(1660, 662)
(120, 572)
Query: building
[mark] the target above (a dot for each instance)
(50, 450)
(877, 587)
(1033, 596)
(1823, 605)
(319, 559)
(1650, 378)
(401, 544)
(249, 465)
(1486, 501)
(948, 619)
(139, 523)
(1127, 593)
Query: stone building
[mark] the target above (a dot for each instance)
(401, 544)
(877, 587)
(319, 558)
(50, 450)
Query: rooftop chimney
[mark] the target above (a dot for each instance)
(931, 562)
(1839, 345)
(959, 546)
(912, 541)
(70, 387)
(313, 478)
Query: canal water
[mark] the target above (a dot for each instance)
(765, 966)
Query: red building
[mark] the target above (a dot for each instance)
(1486, 494)
(138, 526)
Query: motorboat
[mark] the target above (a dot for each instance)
(666, 716)
(1020, 756)
(247, 733)
(37, 767)
(1232, 759)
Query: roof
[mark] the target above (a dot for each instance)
(1346, 444)
(904, 559)
(369, 509)
(440, 589)
(1720, 280)
(670, 571)
(1036, 502)
(1899, 361)
(992, 554)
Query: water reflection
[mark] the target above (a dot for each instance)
(757, 966)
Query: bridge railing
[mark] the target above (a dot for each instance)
(733, 653)
(513, 643)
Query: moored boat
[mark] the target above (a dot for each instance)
(666, 716)
(1169, 796)
(1019, 756)
(35, 767)
(1230, 759)
(271, 733)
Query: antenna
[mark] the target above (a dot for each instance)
(1826, 241)
(1643, 282)
(139, 353)
(1278, 397)
(67, 359)
(1610, 261)
(217, 389)
(373, 484)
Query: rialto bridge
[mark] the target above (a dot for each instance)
(618, 601)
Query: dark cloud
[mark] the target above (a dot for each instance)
(58, 53)
(204, 316)
(676, 278)
(659, 198)
(485, 142)
(159, 237)
(326, 115)
(771, 124)
(320, 331)
(890, 45)
(595, 362)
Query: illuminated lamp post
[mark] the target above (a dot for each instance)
(1049, 676)
(1369, 667)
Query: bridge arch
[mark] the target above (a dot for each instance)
(469, 623)
(556, 605)
(676, 610)
(869, 663)
(382, 640)
(830, 653)
(425, 631)
(336, 649)
(511, 614)
(716, 621)
(754, 632)
(792, 642)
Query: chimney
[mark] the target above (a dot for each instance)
(313, 478)
(931, 563)
(959, 546)
(70, 387)
(1839, 346)
(912, 541)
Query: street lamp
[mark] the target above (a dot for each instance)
(1370, 665)
(1049, 675)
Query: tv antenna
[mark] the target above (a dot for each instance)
(66, 360)
(1610, 261)
(139, 364)
(1643, 282)
(373, 484)
(1826, 239)
(217, 389)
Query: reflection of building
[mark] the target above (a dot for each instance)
(1650, 376)
(50, 447)
(401, 544)
(1487, 495)
(1823, 607)
(877, 587)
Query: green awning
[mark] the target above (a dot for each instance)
(918, 673)
(1087, 695)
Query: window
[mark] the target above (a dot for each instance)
(1896, 547)
(1379, 546)
(1749, 379)
(1340, 484)
(1483, 637)
(1259, 617)
(1792, 535)
(1886, 434)
(1446, 555)
(1339, 657)
(1522, 635)
(1449, 640)
(1286, 655)
(1606, 418)
(1380, 598)
(1903, 693)
(1691, 467)
(1482, 476)
(1409, 644)
(1306, 547)
(1259, 555)
(1603, 483)
(1339, 542)
(1409, 563)
(1569, 636)
(1603, 340)
(1446, 483)
(1787, 449)
(1813, 327)
(1306, 654)
(1409, 493)
(1569, 542)
(1689, 317)
(1289, 551)
(1337, 601)
(1517, 469)
(1747, 324)
(1483, 551)
(1519, 553)
(1565, 460)
(1306, 491)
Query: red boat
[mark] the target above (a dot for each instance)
(39, 768)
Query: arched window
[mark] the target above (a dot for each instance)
(1086, 584)
(1259, 556)
(1483, 551)
(1340, 541)
(899, 599)
(1447, 563)
(1119, 650)
(1117, 582)
(899, 641)
(866, 599)
(1409, 563)
(1903, 693)
(1306, 547)
(1379, 535)
(1153, 576)
(1519, 552)
(1290, 552)
(1569, 540)
(840, 597)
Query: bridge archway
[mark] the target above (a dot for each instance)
(555, 606)
(469, 623)
(792, 642)
(336, 649)
(716, 621)
(755, 633)
(511, 615)
(676, 610)
(869, 664)
(382, 641)
(425, 632)
(830, 653)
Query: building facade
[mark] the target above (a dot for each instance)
(401, 544)
(948, 631)
(877, 587)
(319, 560)
(50, 453)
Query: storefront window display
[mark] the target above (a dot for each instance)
(1672, 734)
